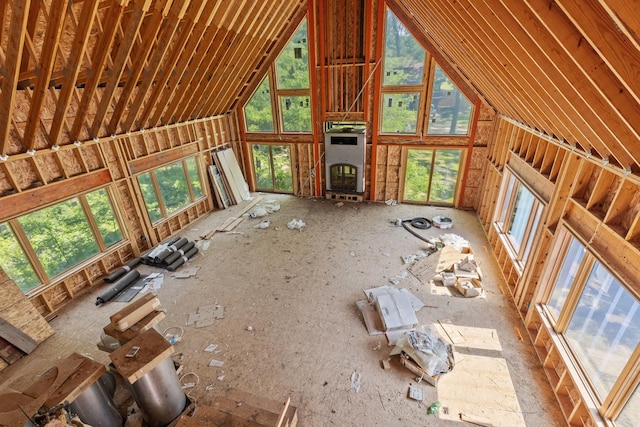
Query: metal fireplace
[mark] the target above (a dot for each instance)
(344, 153)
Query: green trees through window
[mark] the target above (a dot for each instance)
(258, 113)
(450, 111)
(272, 165)
(431, 176)
(57, 238)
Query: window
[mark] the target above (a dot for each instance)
(450, 111)
(43, 244)
(403, 79)
(566, 277)
(431, 176)
(631, 412)
(290, 100)
(272, 165)
(519, 217)
(169, 188)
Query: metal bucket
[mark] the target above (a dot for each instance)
(159, 395)
(95, 407)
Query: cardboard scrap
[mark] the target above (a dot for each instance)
(206, 315)
(216, 363)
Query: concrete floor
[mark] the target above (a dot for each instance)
(297, 291)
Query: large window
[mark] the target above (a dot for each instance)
(290, 100)
(519, 217)
(598, 319)
(43, 244)
(450, 112)
(431, 176)
(272, 165)
(170, 188)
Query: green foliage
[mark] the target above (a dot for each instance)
(262, 163)
(403, 55)
(400, 112)
(292, 66)
(282, 168)
(418, 171)
(150, 197)
(296, 114)
(194, 177)
(258, 112)
(450, 110)
(172, 184)
(103, 214)
(60, 235)
(272, 167)
(423, 185)
(14, 261)
(445, 176)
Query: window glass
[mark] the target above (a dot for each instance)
(60, 235)
(403, 55)
(258, 113)
(400, 112)
(566, 277)
(296, 114)
(631, 412)
(418, 175)
(292, 66)
(445, 176)
(194, 177)
(450, 111)
(14, 261)
(604, 329)
(150, 197)
(262, 166)
(282, 168)
(173, 186)
(520, 216)
(507, 199)
(105, 218)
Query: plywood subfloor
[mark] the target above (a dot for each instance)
(297, 291)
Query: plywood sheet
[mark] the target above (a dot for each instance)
(441, 260)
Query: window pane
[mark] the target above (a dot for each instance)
(507, 200)
(445, 176)
(604, 329)
(194, 177)
(258, 113)
(173, 187)
(450, 110)
(631, 412)
(282, 167)
(400, 112)
(403, 55)
(150, 197)
(14, 261)
(566, 276)
(105, 218)
(534, 227)
(520, 216)
(296, 114)
(60, 235)
(262, 166)
(418, 171)
(292, 66)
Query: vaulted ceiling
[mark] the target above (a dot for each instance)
(82, 69)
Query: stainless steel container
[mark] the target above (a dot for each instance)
(95, 407)
(159, 395)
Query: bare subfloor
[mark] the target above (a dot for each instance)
(292, 328)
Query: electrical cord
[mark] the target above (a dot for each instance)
(419, 223)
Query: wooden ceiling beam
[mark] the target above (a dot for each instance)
(45, 65)
(79, 47)
(147, 41)
(625, 15)
(168, 68)
(187, 56)
(100, 53)
(134, 22)
(13, 58)
(176, 14)
(560, 41)
(32, 23)
(196, 69)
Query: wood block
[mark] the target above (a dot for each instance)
(211, 416)
(148, 322)
(87, 373)
(246, 410)
(9, 353)
(153, 350)
(135, 312)
(260, 402)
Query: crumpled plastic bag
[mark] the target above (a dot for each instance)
(296, 224)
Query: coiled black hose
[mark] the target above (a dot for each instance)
(419, 223)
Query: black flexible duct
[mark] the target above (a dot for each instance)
(127, 280)
(115, 275)
(419, 223)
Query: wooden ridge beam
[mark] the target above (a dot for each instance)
(148, 38)
(100, 54)
(140, 9)
(188, 56)
(15, 43)
(186, 33)
(176, 13)
(46, 65)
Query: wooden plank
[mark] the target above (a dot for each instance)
(232, 189)
(15, 44)
(134, 312)
(45, 67)
(16, 337)
(153, 161)
(37, 198)
(81, 379)
(210, 416)
(148, 322)
(154, 349)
